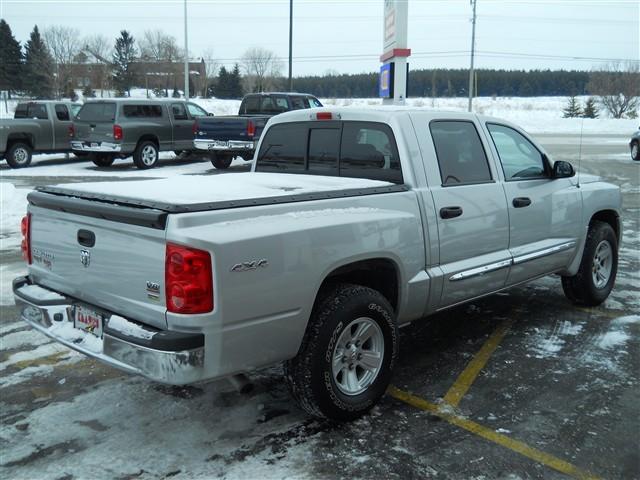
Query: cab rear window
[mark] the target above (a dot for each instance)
(142, 111)
(97, 112)
(334, 148)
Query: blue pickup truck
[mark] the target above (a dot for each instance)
(227, 137)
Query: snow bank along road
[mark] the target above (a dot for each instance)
(517, 385)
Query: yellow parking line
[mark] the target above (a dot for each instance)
(602, 313)
(491, 435)
(468, 376)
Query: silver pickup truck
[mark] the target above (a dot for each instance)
(42, 126)
(351, 224)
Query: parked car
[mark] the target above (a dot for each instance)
(230, 136)
(634, 145)
(37, 127)
(351, 224)
(119, 128)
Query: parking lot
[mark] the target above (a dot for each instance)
(521, 384)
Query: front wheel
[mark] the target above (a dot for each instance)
(221, 162)
(347, 356)
(597, 273)
(146, 155)
(635, 155)
(19, 155)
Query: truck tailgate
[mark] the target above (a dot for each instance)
(114, 265)
(226, 128)
(93, 131)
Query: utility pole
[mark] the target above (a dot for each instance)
(186, 55)
(473, 46)
(291, 45)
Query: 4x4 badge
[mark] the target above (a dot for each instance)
(85, 257)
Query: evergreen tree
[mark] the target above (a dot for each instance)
(124, 55)
(572, 109)
(38, 67)
(10, 59)
(590, 109)
(88, 92)
(222, 85)
(235, 83)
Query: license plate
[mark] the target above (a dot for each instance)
(216, 143)
(88, 320)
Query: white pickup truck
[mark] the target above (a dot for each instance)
(352, 224)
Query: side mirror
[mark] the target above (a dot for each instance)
(210, 114)
(563, 170)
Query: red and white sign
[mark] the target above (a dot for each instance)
(396, 14)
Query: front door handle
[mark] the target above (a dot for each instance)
(450, 212)
(520, 202)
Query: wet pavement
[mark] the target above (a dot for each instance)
(521, 384)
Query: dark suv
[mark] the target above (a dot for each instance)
(118, 128)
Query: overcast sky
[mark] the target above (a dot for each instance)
(346, 35)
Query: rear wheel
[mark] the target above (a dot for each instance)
(102, 159)
(635, 154)
(221, 161)
(146, 155)
(19, 155)
(346, 359)
(597, 273)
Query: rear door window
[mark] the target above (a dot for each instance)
(97, 112)
(32, 110)
(250, 106)
(299, 103)
(62, 113)
(283, 149)
(461, 156)
(368, 150)
(21, 111)
(142, 111)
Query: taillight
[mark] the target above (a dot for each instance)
(194, 128)
(117, 132)
(188, 280)
(251, 129)
(72, 131)
(324, 116)
(25, 245)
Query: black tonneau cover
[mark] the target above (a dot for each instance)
(154, 214)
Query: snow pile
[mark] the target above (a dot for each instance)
(219, 188)
(13, 206)
(128, 328)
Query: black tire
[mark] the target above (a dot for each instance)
(635, 150)
(221, 162)
(80, 154)
(310, 374)
(102, 159)
(19, 155)
(582, 288)
(146, 155)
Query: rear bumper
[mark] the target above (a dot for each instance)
(231, 145)
(103, 147)
(174, 358)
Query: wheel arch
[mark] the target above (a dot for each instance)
(21, 137)
(611, 217)
(149, 137)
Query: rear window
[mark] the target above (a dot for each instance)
(142, 111)
(62, 112)
(31, 110)
(97, 112)
(346, 149)
(270, 105)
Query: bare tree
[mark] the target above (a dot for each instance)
(211, 67)
(262, 68)
(618, 88)
(64, 44)
(157, 46)
(100, 50)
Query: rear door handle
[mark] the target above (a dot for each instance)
(450, 212)
(520, 202)
(86, 238)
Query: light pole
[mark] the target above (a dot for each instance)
(473, 46)
(291, 45)
(186, 55)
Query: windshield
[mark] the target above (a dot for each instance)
(75, 108)
(97, 112)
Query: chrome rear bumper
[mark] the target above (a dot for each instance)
(173, 358)
(231, 145)
(105, 147)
